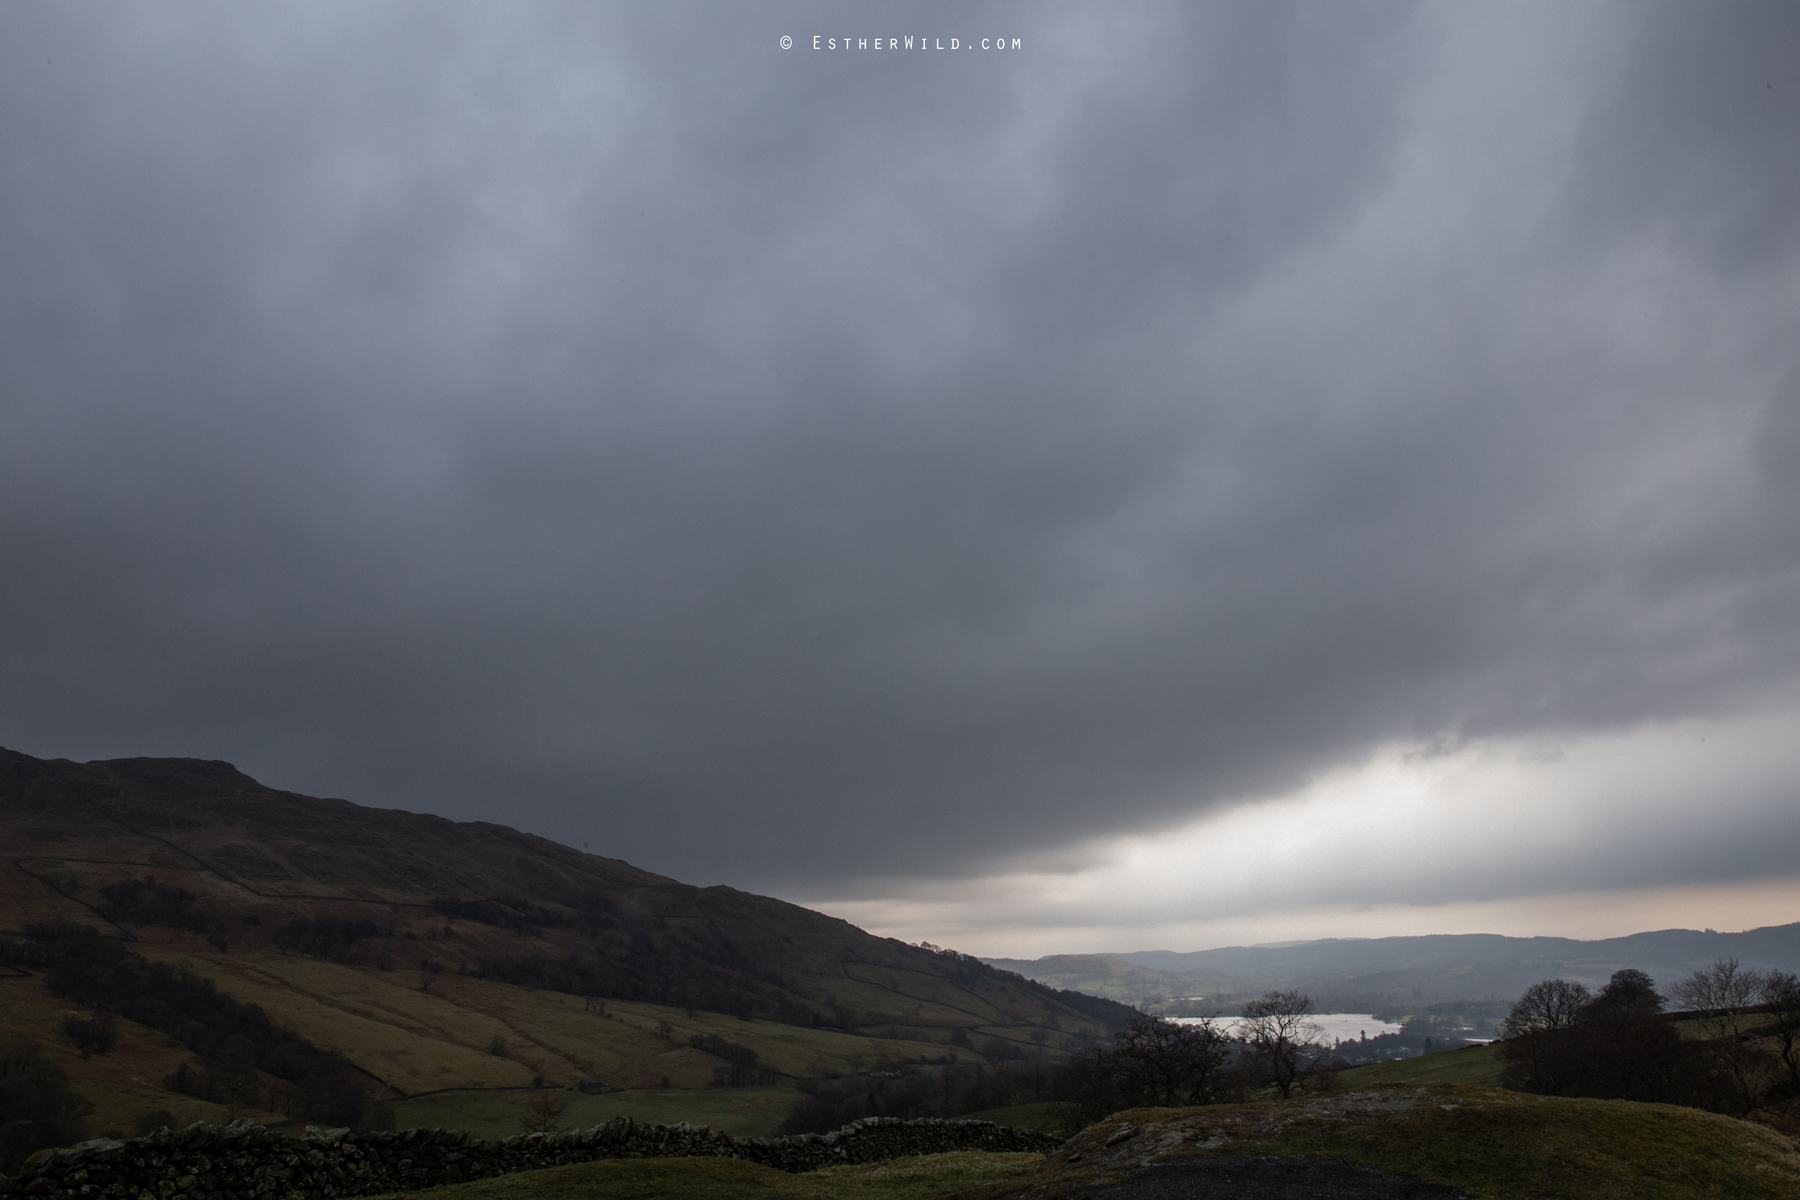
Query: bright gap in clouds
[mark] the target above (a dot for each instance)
(1680, 824)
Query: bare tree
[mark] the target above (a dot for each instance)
(1546, 1007)
(543, 1113)
(1718, 992)
(1282, 1036)
(1152, 1063)
(239, 1088)
(1164, 1064)
(1781, 993)
(1720, 998)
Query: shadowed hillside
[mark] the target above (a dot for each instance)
(441, 955)
(374, 887)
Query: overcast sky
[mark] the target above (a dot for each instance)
(1214, 472)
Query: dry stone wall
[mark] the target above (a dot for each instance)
(246, 1161)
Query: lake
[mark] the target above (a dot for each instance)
(1338, 1027)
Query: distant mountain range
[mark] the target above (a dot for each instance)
(1403, 972)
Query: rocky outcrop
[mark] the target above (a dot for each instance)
(244, 1160)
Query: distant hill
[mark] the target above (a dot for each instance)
(1406, 971)
(1097, 974)
(1674, 949)
(410, 943)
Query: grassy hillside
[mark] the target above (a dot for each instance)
(741, 1112)
(437, 1046)
(124, 1084)
(402, 890)
(1494, 1144)
(1473, 1065)
(415, 946)
(931, 1177)
(1510, 1146)
(1105, 975)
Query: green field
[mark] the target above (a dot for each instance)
(925, 1178)
(1477, 1065)
(741, 1112)
(417, 1041)
(422, 1043)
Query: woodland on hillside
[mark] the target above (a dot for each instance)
(315, 961)
(136, 844)
(1733, 1048)
(244, 1059)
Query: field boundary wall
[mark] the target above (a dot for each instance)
(246, 1161)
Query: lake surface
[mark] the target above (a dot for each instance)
(1338, 1027)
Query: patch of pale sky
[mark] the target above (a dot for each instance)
(1492, 837)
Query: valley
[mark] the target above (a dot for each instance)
(473, 977)
(1397, 977)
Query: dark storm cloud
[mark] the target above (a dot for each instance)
(777, 465)
(1696, 136)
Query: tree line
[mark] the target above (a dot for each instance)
(1623, 1044)
(1154, 1063)
(243, 1059)
(1151, 1062)
(38, 1109)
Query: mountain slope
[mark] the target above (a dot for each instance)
(271, 869)
(418, 947)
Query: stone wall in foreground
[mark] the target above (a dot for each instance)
(246, 1160)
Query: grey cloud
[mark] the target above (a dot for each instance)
(1693, 138)
(772, 466)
